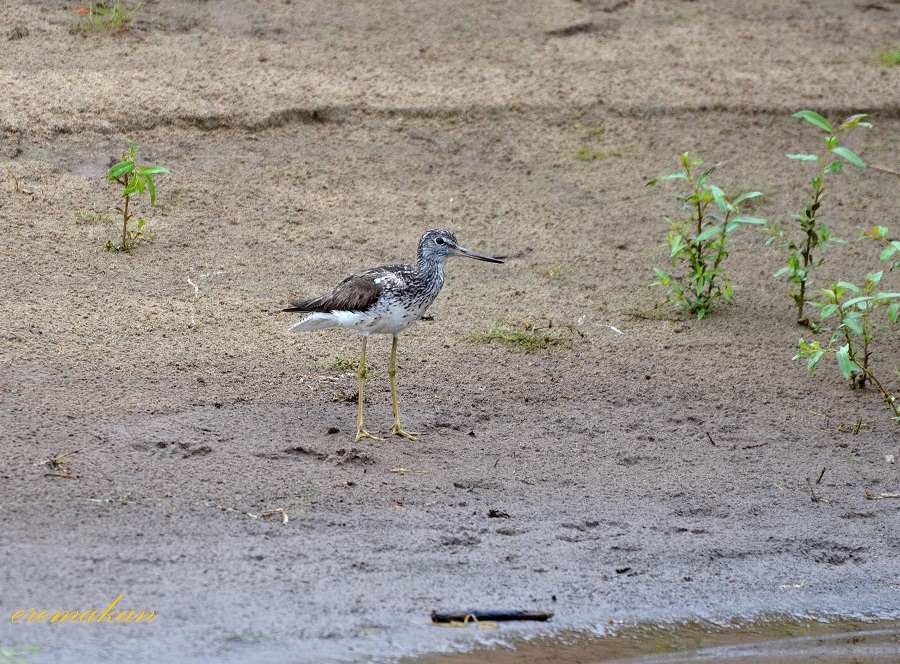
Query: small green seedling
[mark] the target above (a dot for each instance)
(804, 249)
(102, 17)
(529, 337)
(554, 272)
(891, 57)
(344, 365)
(891, 252)
(12, 655)
(91, 218)
(590, 151)
(134, 180)
(859, 317)
(698, 240)
(17, 181)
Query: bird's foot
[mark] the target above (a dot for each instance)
(397, 430)
(361, 433)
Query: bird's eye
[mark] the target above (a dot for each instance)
(439, 240)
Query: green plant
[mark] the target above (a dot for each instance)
(698, 240)
(90, 218)
(858, 319)
(529, 337)
(344, 365)
(589, 151)
(101, 17)
(17, 181)
(880, 234)
(554, 272)
(891, 57)
(804, 250)
(134, 180)
(12, 655)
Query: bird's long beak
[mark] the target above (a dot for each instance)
(460, 251)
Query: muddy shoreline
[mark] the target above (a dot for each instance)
(647, 468)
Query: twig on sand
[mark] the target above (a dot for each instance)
(68, 475)
(460, 618)
(872, 496)
(812, 492)
(884, 170)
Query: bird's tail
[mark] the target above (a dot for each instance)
(313, 321)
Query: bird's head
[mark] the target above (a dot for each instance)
(439, 244)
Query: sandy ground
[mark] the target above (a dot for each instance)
(646, 469)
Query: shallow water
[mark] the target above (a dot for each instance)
(769, 641)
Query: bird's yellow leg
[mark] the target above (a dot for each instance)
(397, 430)
(361, 375)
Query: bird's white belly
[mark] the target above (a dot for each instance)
(388, 318)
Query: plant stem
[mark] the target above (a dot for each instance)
(887, 396)
(865, 347)
(125, 220)
(810, 228)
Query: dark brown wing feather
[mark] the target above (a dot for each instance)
(356, 293)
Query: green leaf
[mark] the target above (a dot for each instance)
(813, 359)
(153, 170)
(677, 175)
(847, 285)
(856, 300)
(719, 197)
(853, 324)
(749, 220)
(744, 197)
(136, 185)
(828, 310)
(893, 312)
(888, 252)
(688, 163)
(150, 187)
(848, 367)
(835, 167)
(804, 157)
(850, 156)
(708, 233)
(120, 169)
(815, 118)
(855, 120)
(664, 279)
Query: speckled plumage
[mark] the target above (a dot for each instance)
(385, 300)
(388, 299)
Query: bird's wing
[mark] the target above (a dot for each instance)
(356, 293)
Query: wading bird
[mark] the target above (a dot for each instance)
(385, 300)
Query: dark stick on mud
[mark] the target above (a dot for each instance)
(710, 439)
(821, 475)
(812, 492)
(488, 614)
